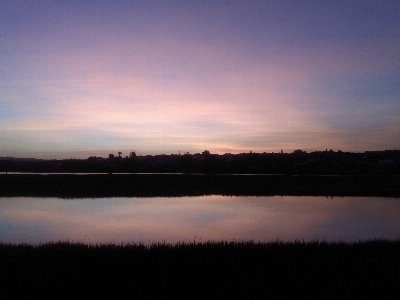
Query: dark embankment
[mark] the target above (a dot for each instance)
(224, 270)
(148, 185)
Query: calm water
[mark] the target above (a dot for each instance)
(37, 220)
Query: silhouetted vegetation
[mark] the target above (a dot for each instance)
(298, 162)
(239, 270)
(216, 270)
(358, 174)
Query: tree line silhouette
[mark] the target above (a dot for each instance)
(297, 162)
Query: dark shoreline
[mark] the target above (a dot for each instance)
(210, 270)
(175, 185)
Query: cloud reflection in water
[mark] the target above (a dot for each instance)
(35, 220)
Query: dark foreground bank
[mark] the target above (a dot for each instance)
(213, 270)
(151, 185)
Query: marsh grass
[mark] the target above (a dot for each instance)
(207, 270)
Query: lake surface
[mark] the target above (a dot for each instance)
(288, 218)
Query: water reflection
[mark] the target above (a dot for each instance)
(35, 220)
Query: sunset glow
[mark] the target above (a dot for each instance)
(83, 78)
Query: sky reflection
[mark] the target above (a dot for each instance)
(37, 220)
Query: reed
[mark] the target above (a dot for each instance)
(213, 269)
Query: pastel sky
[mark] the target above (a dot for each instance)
(83, 78)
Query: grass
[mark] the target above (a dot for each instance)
(208, 270)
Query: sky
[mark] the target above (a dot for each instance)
(89, 78)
